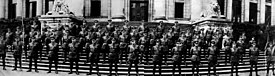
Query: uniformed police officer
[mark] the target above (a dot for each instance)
(94, 56)
(53, 55)
(269, 51)
(123, 49)
(110, 27)
(113, 56)
(195, 52)
(212, 57)
(33, 55)
(165, 49)
(133, 56)
(73, 55)
(18, 48)
(142, 48)
(3, 49)
(177, 57)
(157, 57)
(235, 55)
(65, 45)
(226, 47)
(254, 53)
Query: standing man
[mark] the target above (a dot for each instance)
(18, 47)
(133, 56)
(177, 57)
(254, 53)
(235, 55)
(195, 52)
(226, 47)
(33, 56)
(212, 57)
(53, 55)
(94, 56)
(73, 55)
(269, 51)
(3, 51)
(65, 44)
(113, 56)
(157, 57)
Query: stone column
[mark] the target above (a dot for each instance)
(171, 8)
(229, 9)
(187, 9)
(2, 8)
(127, 9)
(39, 7)
(159, 8)
(6, 8)
(196, 9)
(150, 10)
(117, 8)
(261, 17)
(87, 8)
(273, 13)
(50, 6)
(19, 8)
(104, 8)
(245, 10)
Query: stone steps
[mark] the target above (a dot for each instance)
(144, 69)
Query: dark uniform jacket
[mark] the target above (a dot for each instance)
(195, 52)
(133, 49)
(94, 52)
(254, 53)
(34, 48)
(53, 50)
(212, 52)
(73, 53)
(176, 55)
(114, 49)
(157, 53)
(235, 54)
(18, 47)
(2, 49)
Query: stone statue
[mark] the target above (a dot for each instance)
(59, 5)
(212, 8)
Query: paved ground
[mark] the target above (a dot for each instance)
(8, 72)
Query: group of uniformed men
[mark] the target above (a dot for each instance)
(137, 43)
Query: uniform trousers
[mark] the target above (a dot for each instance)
(51, 60)
(72, 61)
(16, 59)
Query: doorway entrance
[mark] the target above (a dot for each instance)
(139, 10)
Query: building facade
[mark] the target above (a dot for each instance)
(251, 11)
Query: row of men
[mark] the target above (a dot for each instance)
(138, 42)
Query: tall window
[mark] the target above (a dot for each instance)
(221, 4)
(253, 13)
(12, 9)
(268, 15)
(95, 8)
(31, 9)
(237, 11)
(268, 1)
(179, 10)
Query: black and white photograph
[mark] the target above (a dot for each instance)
(137, 37)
